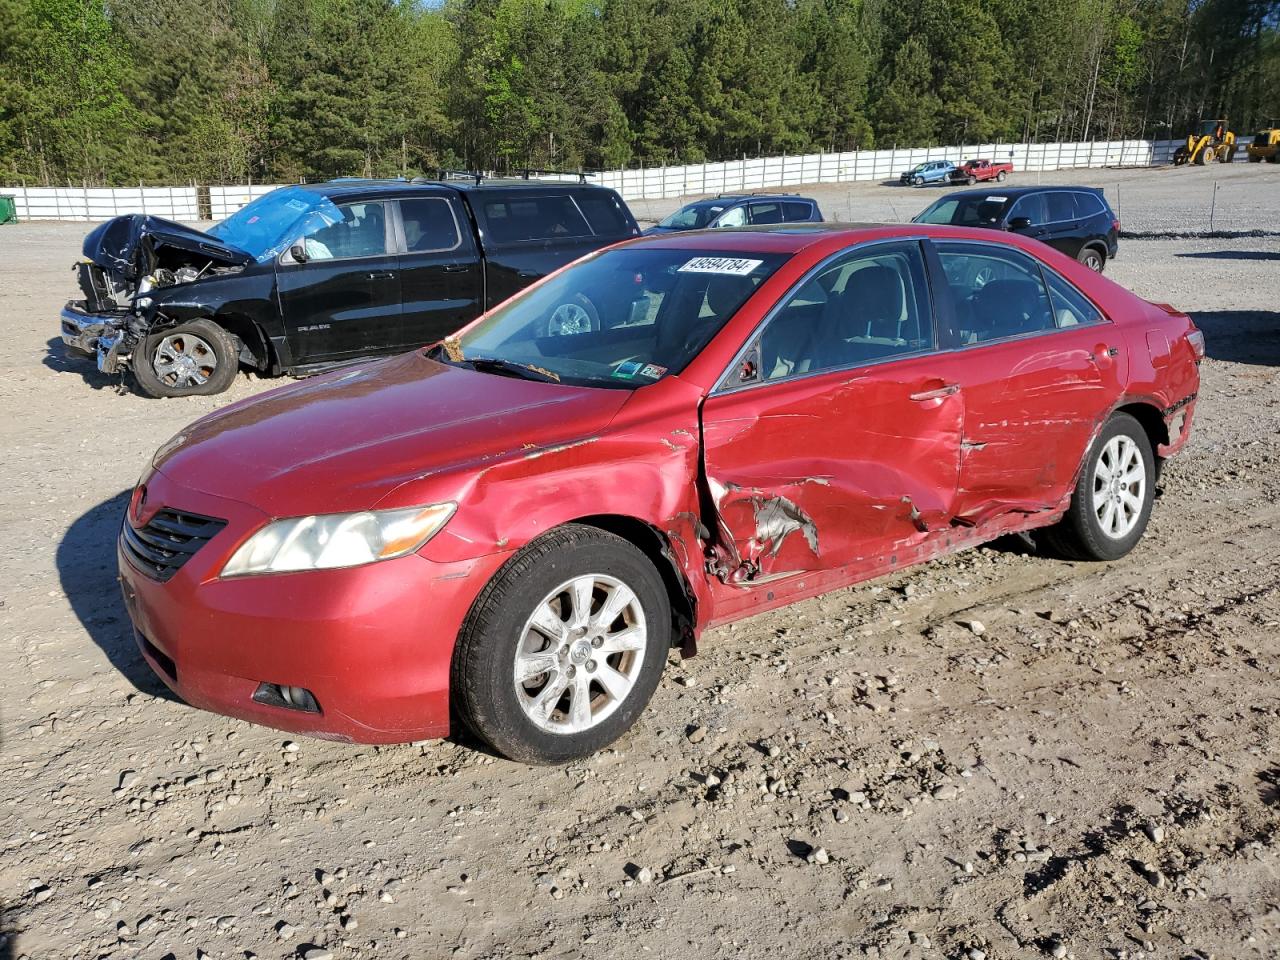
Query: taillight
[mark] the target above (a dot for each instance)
(1196, 339)
(1115, 224)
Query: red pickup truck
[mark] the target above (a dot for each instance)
(971, 171)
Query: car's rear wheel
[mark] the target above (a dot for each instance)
(563, 648)
(1093, 258)
(1112, 499)
(193, 359)
(1000, 176)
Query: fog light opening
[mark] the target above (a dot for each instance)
(289, 697)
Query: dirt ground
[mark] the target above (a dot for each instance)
(997, 754)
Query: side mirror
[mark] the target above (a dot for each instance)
(1019, 223)
(299, 253)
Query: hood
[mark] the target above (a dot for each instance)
(345, 440)
(127, 245)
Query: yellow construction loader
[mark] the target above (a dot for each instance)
(1211, 143)
(1265, 146)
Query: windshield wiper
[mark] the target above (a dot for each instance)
(498, 365)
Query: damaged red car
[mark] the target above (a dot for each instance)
(512, 529)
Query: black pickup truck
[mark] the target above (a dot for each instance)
(310, 276)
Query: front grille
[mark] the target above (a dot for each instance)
(168, 541)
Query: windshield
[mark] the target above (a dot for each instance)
(965, 211)
(693, 217)
(273, 221)
(621, 318)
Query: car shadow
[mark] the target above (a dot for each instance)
(1232, 255)
(1240, 336)
(86, 561)
(8, 931)
(62, 359)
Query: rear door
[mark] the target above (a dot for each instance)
(765, 213)
(1064, 230)
(344, 300)
(832, 440)
(1038, 365)
(440, 281)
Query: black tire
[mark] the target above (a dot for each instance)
(1080, 535)
(1254, 159)
(215, 355)
(483, 679)
(1093, 258)
(1000, 176)
(918, 182)
(1274, 158)
(971, 180)
(1205, 157)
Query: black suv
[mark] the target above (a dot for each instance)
(741, 210)
(311, 276)
(1076, 220)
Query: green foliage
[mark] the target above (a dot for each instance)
(104, 91)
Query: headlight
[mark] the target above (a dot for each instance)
(337, 540)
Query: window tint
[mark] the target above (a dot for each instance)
(362, 232)
(997, 293)
(429, 225)
(1089, 204)
(1061, 206)
(604, 213)
(766, 213)
(1070, 307)
(736, 217)
(795, 210)
(534, 218)
(965, 211)
(869, 305)
(1032, 206)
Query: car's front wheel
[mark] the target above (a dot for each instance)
(917, 182)
(563, 648)
(1112, 499)
(197, 358)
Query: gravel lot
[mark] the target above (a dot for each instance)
(997, 754)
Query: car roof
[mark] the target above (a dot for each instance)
(1015, 192)
(345, 186)
(792, 238)
(728, 199)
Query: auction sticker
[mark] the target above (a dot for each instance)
(653, 371)
(734, 266)
(996, 199)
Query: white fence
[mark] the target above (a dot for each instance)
(183, 203)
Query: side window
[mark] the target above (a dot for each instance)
(871, 304)
(1031, 206)
(1070, 307)
(1088, 204)
(362, 232)
(737, 217)
(795, 211)
(997, 293)
(429, 225)
(766, 213)
(1061, 206)
(544, 217)
(604, 213)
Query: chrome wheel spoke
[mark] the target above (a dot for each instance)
(616, 685)
(619, 598)
(580, 703)
(632, 638)
(547, 622)
(581, 592)
(545, 702)
(531, 665)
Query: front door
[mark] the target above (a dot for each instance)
(343, 300)
(440, 273)
(833, 442)
(1039, 367)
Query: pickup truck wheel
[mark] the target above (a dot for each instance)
(1000, 175)
(194, 359)
(563, 648)
(578, 315)
(1093, 258)
(1112, 499)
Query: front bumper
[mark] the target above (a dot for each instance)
(99, 335)
(373, 644)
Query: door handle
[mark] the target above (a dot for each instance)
(946, 390)
(382, 275)
(457, 267)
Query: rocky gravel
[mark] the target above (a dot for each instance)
(995, 755)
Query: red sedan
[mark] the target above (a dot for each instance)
(513, 527)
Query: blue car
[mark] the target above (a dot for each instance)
(741, 210)
(934, 171)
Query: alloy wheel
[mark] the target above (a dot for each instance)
(1119, 487)
(579, 654)
(184, 360)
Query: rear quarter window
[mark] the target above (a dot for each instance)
(1089, 204)
(604, 213)
(795, 210)
(544, 217)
